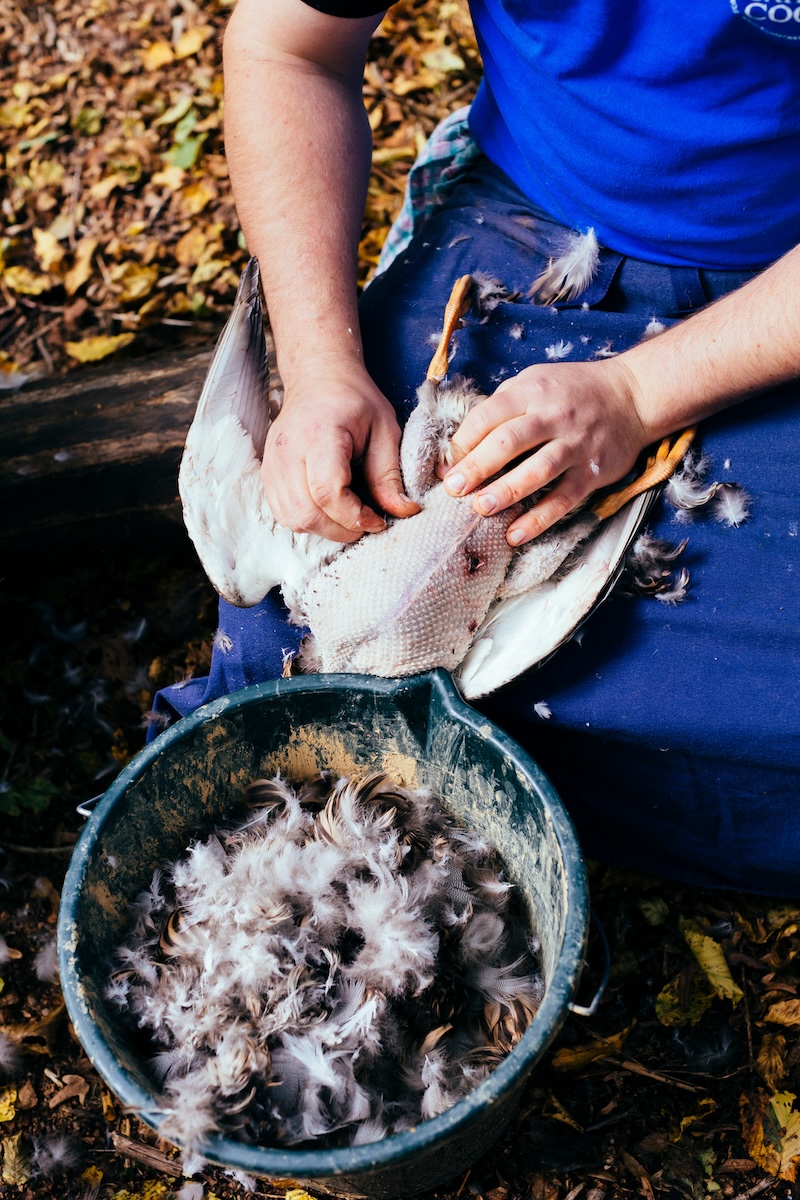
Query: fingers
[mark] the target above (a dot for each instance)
(382, 473)
(315, 495)
(568, 493)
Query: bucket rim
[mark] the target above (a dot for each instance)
(398, 1148)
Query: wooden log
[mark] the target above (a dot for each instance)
(95, 455)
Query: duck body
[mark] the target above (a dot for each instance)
(439, 589)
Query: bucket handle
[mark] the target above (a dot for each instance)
(85, 809)
(588, 1010)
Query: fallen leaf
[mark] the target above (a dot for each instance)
(26, 282)
(81, 269)
(48, 250)
(654, 911)
(75, 1087)
(192, 40)
(37, 1037)
(196, 197)
(785, 1012)
(137, 281)
(171, 178)
(581, 1056)
(8, 1098)
(771, 1131)
(770, 1060)
(443, 58)
(401, 85)
(92, 349)
(675, 1008)
(92, 1176)
(26, 1097)
(712, 961)
(704, 1108)
(156, 55)
(107, 1105)
(103, 189)
(297, 1194)
(16, 1165)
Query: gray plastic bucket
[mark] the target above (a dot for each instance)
(419, 731)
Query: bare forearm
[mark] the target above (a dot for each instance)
(743, 344)
(298, 146)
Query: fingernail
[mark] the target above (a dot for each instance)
(455, 484)
(515, 536)
(486, 504)
(406, 499)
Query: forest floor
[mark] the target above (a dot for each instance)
(119, 237)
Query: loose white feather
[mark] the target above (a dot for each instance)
(731, 504)
(559, 349)
(569, 273)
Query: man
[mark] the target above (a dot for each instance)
(674, 132)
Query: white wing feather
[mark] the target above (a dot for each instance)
(244, 551)
(521, 632)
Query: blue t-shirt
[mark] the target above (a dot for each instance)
(672, 127)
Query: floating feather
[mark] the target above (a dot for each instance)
(571, 271)
(560, 349)
(731, 504)
(676, 593)
(322, 969)
(686, 489)
(488, 293)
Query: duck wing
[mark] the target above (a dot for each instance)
(244, 551)
(521, 631)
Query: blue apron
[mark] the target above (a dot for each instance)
(675, 731)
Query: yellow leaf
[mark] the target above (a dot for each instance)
(190, 247)
(196, 196)
(103, 189)
(192, 40)
(171, 178)
(712, 961)
(93, 1176)
(8, 1098)
(157, 54)
(107, 1105)
(153, 1189)
(555, 1109)
(94, 348)
(386, 154)
(81, 269)
(297, 1194)
(771, 1131)
(770, 1060)
(785, 1012)
(208, 271)
(26, 282)
(16, 1167)
(704, 1109)
(403, 84)
(443, 58)
(48, 251)
(137, 281)
(675, 1008)
(581, 1056)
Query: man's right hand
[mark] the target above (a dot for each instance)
(326, 425)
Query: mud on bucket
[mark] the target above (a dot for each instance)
(419, 731)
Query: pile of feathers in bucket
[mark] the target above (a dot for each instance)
(340, 964)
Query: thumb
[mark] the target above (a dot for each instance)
(382, 473)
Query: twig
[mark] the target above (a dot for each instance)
(756, 1189)
(147, 1155)
(748, 1026)
(638, 1069)
(463, 1183)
